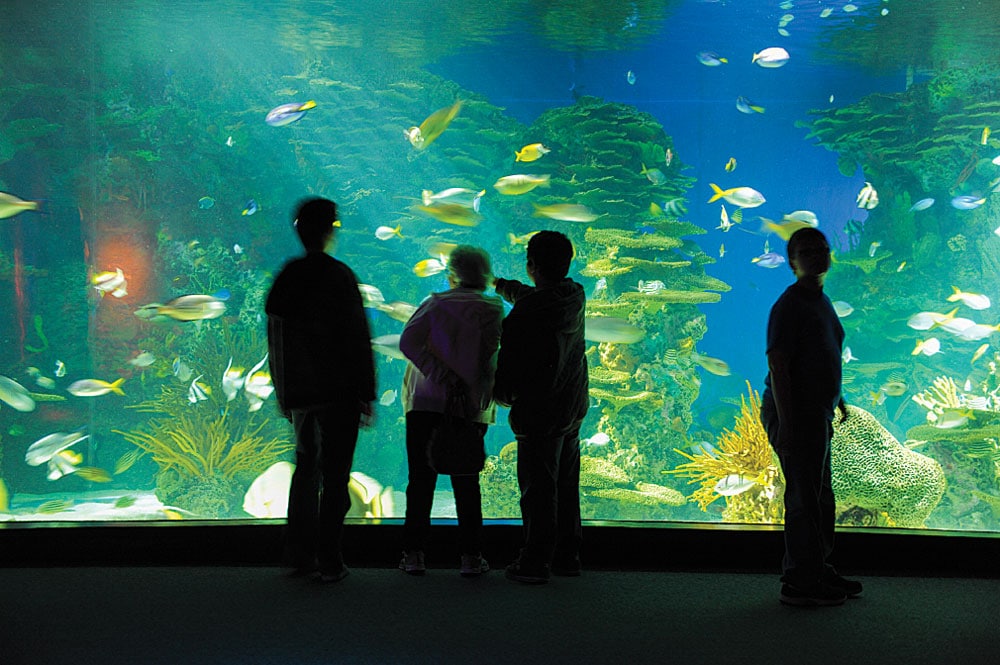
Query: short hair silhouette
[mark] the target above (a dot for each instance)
(808, 235)
(470, 266)
(315, 218)
(551, 254)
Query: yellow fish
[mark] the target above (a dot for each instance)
(431, 128)
(93, 474)
(95, 388)
(567, 212)
(731, 165)
(520, 183)
(442, 248)
(656, 211)
(709, 364)
(979, 353)
(53, 506)
(4, 497)
(530, 153)
(985, 137)
(428, 267)
(126, 461)
(520, 240)
(10, 205)
(784, 229)
(450, 213)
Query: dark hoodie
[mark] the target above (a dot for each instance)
(542, 369)
(320, 352)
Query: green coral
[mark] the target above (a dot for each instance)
(630, 239)
(873, 471)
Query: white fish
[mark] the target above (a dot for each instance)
(611, 329)
(651, 286)
(16, 395)
(388, 345)
(143, 359)
(197, 392)
(804, 216)
(599, 439)
(847, 356)
(94, 387)
(927, 320)
(842, 308)
(744, 197)
(60, 370)
(971, 300)
(386, 232)
(956, 325)
(388, 398)
(977, 332)
(867, 197)
(398, 310)
(232, 381)
(267, 495)
(712, 365)
(62, 464)
(872, 248)
(371, 296)
(469, 198)
(771, 58)
(850, 8)
(951, 419)
(50, 444)
(724, 222)
(927, 347)
(922, 204)
(734, 484)
(826, 12)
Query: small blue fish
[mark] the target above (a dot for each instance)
(630, 77)
(250, 208)
(222, 294)
(922, 204)
(967, 202)
(286, 114)
(711, 59)
(768, 260)
(744, 105)
(206, 202)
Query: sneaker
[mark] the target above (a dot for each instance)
(331, 576)
(518, 572)
(473, 565)
(852, 588)
(815, 595)
(567, 567)
(412, 563)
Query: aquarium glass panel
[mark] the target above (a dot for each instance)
(152, 153)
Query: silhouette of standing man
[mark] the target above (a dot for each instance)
(804, 346)
(324, 379)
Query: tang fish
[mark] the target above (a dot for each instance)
(744, 105)
(286, 114)
(630, 77)
(388, 345)
(433, 126)
(250, 208)
(731, 165)
(709, 364)
(744, 197)
(842, 308)
(520, 183)
(655, 176)
(710, 59)
(967, 202)
(10, 205)
(205, 203)
(768, 260)
(530, 153)
(388, 398)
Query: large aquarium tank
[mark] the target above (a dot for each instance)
(151, 154)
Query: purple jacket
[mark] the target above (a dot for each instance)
(454, 333)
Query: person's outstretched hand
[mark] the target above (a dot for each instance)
(842, 407)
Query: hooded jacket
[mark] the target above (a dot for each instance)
(542, 369)
(317, 335)
(452, 335)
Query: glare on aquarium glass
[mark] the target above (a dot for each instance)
(151, 154)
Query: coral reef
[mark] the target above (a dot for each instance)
(742, 452)
(873, 471)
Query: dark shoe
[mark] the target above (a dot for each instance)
(518, 572)
(852, 588)
(567, 567)
(331, 576)
(473, 565)
(412, 563)
(815, 595)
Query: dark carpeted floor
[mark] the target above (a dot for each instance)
(254, 615)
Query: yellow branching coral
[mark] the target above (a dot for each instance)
(604, 268)
(742, 452)
(623, 238)
(943, 394)
(618, 401)
(670, 296)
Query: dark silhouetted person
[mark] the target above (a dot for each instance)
(542, 376)
(804, 346)
(451, 343)
(324, 380)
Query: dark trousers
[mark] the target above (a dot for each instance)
(420, 491)
(318, 498)
(548, 473)
(810, 507)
